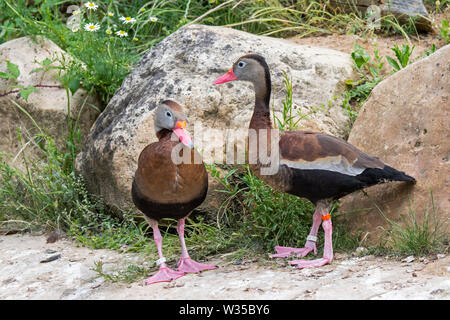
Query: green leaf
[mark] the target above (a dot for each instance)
(14, 69)
(18, 86)
(46, 62)
(393, 63)
(36, 70)
(74, 85)
(5, 75)
(26, 92)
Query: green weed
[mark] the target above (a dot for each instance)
(261, 217)
(411, 237)
(369, 73)
(444, 31)
(402, 55)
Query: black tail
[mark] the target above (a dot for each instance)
(373, 176)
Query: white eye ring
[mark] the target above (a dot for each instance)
(241, 64)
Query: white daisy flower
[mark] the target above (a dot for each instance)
(121, 33)
(108, 31)
(153, 19)
(111, 14)
(91, 5)
(91, 27)
(128, 20)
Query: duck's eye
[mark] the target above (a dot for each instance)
(168, 114)
(241, 64)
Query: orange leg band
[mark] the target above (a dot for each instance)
(326, 217)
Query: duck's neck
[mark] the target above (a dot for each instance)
(163, 134)
(261, 112)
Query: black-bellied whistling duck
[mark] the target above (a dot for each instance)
(163, 189)
(315, 166)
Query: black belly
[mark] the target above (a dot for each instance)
(157, 211)
(317, 185)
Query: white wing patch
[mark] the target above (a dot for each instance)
(337, 164)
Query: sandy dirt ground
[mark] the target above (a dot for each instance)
(71, 276)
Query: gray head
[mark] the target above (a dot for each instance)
(253, 68)
(167, 114)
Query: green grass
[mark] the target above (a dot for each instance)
(262, 217)
(411, 235)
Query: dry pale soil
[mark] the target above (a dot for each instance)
(24, 275)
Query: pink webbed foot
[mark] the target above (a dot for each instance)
(283, 252)
(310, 263)
(164, 275)
(190, 266)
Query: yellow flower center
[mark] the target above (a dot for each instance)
(91, 5)
(92, 27)
(128, 19)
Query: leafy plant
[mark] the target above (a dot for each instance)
(444, 31)
(431, 50)
(288, 120)
(403, 56)
(369, 72)
(13, 74)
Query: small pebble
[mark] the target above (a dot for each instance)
(408, 259)
(52, 258)
(237, 262)
(50, 251)
(437, 291)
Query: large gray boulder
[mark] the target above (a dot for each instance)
(48, 105)
(182, 68)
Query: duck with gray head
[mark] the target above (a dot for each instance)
(312, 165)
(163, 188)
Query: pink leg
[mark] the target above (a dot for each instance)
(164, 274)
(186, 264)
(327, 251)
(310, 245)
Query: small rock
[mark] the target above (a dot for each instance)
(437, 291)
(54, 236)
(8, 281)
(237, 262)
(440, 256)
(360, 250)
(50, 251)
(51, 258)
(409, 259)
